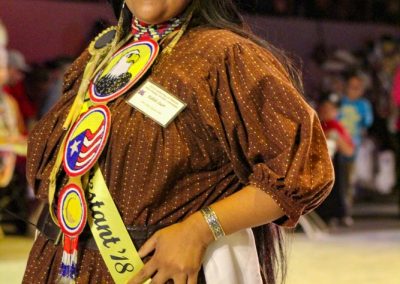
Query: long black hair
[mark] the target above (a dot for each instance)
(223, 14)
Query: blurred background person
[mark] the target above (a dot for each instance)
(17, 69)
(3, 35)
(356, 115)
(396, 101)
(12, 143)
(334, 210)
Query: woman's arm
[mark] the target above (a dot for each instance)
(179, 249)
(248, 208)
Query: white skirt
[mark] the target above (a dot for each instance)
(233, 259)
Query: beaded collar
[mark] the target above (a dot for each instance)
(142, 30)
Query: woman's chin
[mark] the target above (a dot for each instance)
(150, 15)
(151, 20)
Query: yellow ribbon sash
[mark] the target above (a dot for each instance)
(109, 231)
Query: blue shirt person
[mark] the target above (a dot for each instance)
(356, 113)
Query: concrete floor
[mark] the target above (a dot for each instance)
(356, 258)
(368, 253)
(13, 255)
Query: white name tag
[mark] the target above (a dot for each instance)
(155, 102)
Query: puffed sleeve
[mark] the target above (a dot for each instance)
(272, 136)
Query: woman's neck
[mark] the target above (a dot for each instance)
(142, 30)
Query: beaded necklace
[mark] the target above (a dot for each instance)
(141, 30)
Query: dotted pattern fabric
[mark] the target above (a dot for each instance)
(244, 124)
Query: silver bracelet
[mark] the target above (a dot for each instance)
(213, 222)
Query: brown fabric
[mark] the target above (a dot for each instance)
(244, 124)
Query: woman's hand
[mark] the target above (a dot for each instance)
(178, 252)
(179, 249)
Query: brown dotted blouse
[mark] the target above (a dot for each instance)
(244, 124)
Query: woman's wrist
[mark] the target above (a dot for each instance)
(198, 224)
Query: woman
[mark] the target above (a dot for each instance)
(245, 151)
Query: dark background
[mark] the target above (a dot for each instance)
(383, 11)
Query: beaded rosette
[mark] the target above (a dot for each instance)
(71, 214)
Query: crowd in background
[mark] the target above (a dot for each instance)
(356, 94)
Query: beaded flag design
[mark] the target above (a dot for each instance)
(86, 141)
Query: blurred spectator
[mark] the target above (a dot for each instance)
(12, 142)
(17, 69)
(10, 130)
(334, 210)
(328, 108)
(8, 124)
(356, 116)
(3, 35)
(396, 96)
(396, 100)
(356, 112)
(390, 59)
